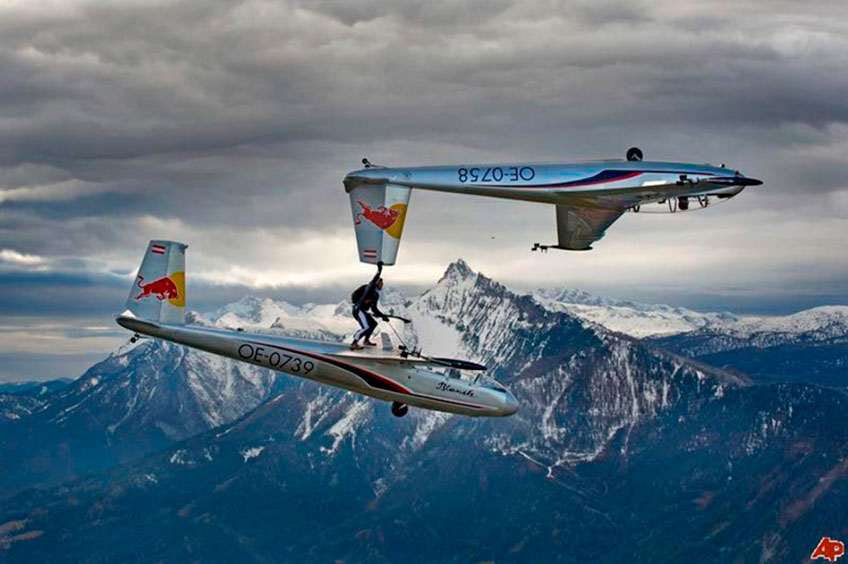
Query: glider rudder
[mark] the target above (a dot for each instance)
(158, 292)
(379, 212)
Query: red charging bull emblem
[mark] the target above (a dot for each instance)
(163, 289)
(829, 549)
(382, 217)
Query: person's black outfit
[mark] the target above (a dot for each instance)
(365, 300)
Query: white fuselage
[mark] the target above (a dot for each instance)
(596, 183)
(332, 364)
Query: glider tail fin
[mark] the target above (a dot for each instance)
(158, 292)
(379, 212)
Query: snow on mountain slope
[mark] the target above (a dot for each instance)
(657, 320)
(820, 323)
(583, 390)
(560, 369)
(556, 355)
(810, 346)
(251, 312)
(825, 326)
(139, 399)
(578, 386)
(317, 321)
(631, 318)
(612, 434)
(15, 406)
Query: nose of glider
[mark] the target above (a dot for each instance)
(510, 404)
(746, 181)
(737, 180)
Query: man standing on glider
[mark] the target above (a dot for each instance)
(365, 299)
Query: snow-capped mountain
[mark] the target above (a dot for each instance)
(139, 399)
(631, 318)
(146, 396)
(613, 437)
(314, 321)
(20, 399)
(811, 345)
(816, 325)
(310, 320)
(640, 320)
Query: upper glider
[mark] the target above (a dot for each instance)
(589, 196)
(156, 308)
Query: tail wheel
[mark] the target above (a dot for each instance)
(634, 154)
(399, 409)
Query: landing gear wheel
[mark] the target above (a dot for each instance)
(634, 154)
(399, 409)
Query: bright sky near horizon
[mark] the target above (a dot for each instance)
(229, 126)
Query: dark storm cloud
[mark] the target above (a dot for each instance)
(121, 82)
(224, 104)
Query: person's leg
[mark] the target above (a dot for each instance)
(372, 324)
(362, 318)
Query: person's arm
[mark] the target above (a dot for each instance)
(377, 311)
(372, 287)
(376, 276)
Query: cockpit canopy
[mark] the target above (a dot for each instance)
(476, 377)
(487, 381)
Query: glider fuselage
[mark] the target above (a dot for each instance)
(407, 382)
(598, 183)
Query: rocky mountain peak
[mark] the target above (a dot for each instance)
(458, 270)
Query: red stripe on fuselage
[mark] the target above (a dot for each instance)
(357, 370)
(590, 181)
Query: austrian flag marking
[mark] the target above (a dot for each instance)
(158, 249)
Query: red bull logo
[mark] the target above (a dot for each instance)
(169, 288)
(382, 217)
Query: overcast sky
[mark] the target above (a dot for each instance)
(229, 126)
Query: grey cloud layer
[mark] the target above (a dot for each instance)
(123, 82)
(213, 98)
